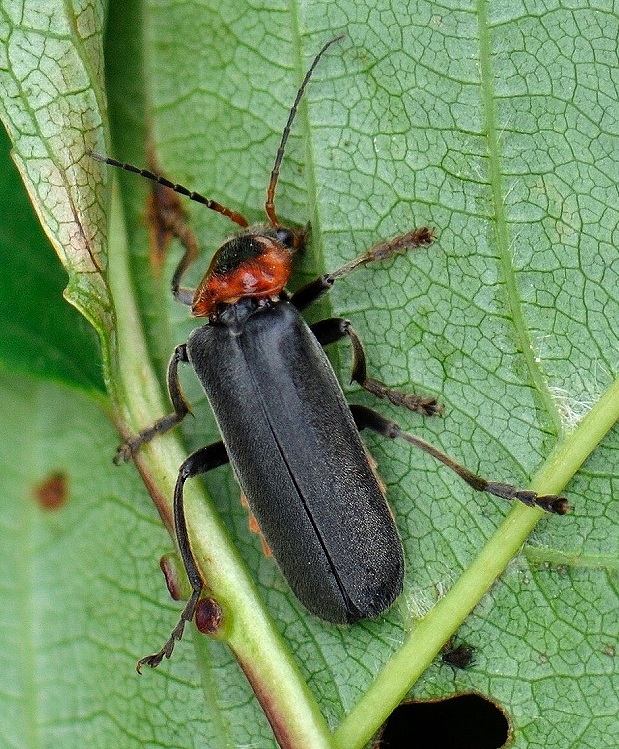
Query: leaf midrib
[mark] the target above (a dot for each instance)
(501, 221)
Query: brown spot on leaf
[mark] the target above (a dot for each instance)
(52, 492)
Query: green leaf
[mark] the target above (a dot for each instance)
(496, 126)
(49, 105)
(80, 582)
(42, 335)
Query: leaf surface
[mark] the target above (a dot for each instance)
(498, 128)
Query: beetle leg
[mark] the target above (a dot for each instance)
(167, 218)
(335, 328)
(175, 223)
(181, 408)
(366, 418)
(312, 291)
(201, 461)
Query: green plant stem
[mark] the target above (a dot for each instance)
(572, 452)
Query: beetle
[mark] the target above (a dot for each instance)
(291, 437)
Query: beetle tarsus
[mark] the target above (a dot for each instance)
(177, 633)
(166, 651)
(126, 451)
(425, 405)
(548, 502)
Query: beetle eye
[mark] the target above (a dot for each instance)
(285, 236)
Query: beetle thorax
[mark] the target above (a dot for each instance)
(249, 265)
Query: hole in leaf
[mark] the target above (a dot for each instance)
(467, 721)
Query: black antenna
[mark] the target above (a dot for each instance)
(238, 218)
(270, 205)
